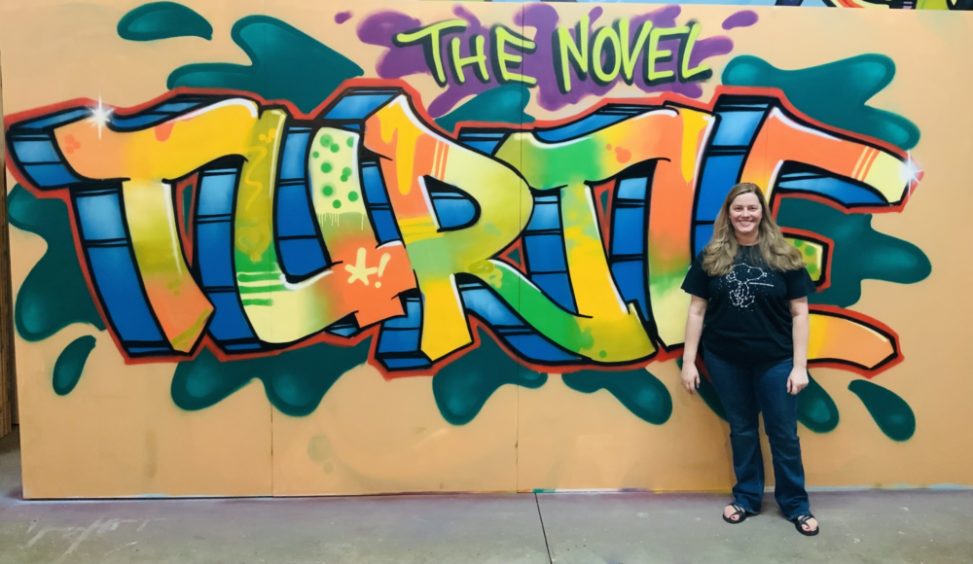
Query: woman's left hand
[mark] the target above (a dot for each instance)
(797, 381)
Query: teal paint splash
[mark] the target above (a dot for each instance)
(834, 93)
(504, 104)
(54, 294)
(860, 252)
(892, 414)
(639, 391)
(162, 20)
(463, 387)
(287, 65)
(708, 393)
(70, 364)
(815, 408)
(295, 381)
(837, 93)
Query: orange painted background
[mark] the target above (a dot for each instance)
(283, 249)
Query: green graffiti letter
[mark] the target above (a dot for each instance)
(431, 36)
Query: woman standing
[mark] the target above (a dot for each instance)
(749, 310)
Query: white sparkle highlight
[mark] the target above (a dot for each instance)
(100, 116)
(911, 173)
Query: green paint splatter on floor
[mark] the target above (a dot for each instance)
(54, 294)
(835, 93)
(295, 381)
(892, 414)
(859, 253)
(70, 364)
(463, 387)
(287, 65)
(638, 390)
(162, 20)
(504, 104)
(815, 408)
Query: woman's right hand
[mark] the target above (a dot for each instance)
(690, 377)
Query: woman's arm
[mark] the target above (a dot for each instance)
(798, 379)
(694, 328)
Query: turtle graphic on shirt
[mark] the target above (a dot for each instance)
(742, 280)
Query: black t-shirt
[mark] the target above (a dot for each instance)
(748, 315)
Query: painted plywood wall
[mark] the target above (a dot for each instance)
(288, 248)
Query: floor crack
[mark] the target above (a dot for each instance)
(543, 529)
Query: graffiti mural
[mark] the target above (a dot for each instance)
(470, 199)
(365, 215)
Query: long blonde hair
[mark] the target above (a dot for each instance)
(722, 248)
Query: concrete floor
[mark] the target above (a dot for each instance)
(875, 526)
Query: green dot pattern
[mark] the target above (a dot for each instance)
(811, 255)
(334, 178)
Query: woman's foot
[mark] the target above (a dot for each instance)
(806, 524)
(735, 514)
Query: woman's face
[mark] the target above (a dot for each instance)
(745, 214)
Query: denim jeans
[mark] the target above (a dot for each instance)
(746, 390)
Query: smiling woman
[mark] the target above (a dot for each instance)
(749, 319)
(745, 215)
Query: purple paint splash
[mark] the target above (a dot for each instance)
(380, 29)
(399, 61)
(544, 19)
(341, 17)
(743, 18)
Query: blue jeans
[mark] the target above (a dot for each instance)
(745, 391)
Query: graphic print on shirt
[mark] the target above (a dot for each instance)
(741, 281)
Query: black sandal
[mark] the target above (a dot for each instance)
(801, 520)
(738, 516)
